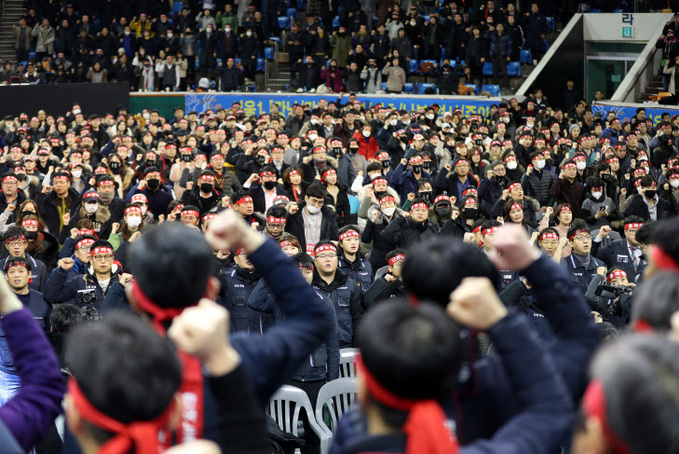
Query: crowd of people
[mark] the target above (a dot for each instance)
(476, 261)
(350, 46)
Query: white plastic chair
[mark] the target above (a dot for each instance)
(347, 362)
(338, 395)
(285, 407)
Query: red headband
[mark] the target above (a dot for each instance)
(489, 230)
(425, 428)
(470, 202)
(380, 180)
(633, 225)
(577, 232)
(663, 261)
(329, 172)
(208, 217)
(26, 222)
(549, 236)
(349, 234)
(246, 199)
(275, 220)
(101, 250)
(20, 237)
(207, 177)
(267, 174)
(441, 198)
(139, 198)
(86, 232)
(140, 435)
(191, 213)
(513, 185)
(10, 178)
(469, 191)
(395, 259)
(566, 209)
(477, 229)
(83, 243)
(569, 165)
(419, 205)
(516, 206)
(293, 172)
(133, 209)
(105, 182)
(594, 405)
(285, 243)
(461, 161)
(615, 274)
(325, 247)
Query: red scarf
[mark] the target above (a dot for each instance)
(191, 389)
(425, 428)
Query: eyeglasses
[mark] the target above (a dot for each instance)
(16, 243)
(102, 258)
(584, 237)
(326, 256)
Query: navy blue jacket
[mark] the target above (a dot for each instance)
(360, 271)
(617, 254)
(581, 276)
(404, 181)
(59, 290)
(38, 273)
(237, 285)
(346, 295)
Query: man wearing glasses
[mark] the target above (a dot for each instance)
(336, 285)
(16, 243)
(91, 287)
(581, 265)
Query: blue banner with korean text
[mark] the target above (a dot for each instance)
(625, 111)
(258, 104)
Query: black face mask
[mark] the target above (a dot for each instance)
(385, 164)
(31, 235)
(427, 195)
(261, 159)
(150, 163)
(605, 176)
(443, 212)
(186, 157)
(153, 184)
(27, 212)
(206, 187)
(381, 194)
(21, 176)
(650, 193)
(470, 213)
(499, 178)
(426, 165)
(478, 142)
(114, 165)
(269, 185)
(417, 169)
(353, 150)
(337, 151)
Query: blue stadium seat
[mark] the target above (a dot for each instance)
(425, 18)
(526, 57)
(514, 69)
(292, 12)
(236, 61)
(476, 90)
(493, 89)
(421, 88)
(384, 86)
(268, 53)
(409, 87)
(594, 10)
(260, 65)
(32, 55)
(416, 53)
(283, 22)
(277, 39)
(551, 24)
(487, 69)
(177, 7)
(335, 22)
(414, 68)
(219, 61)
(443, 54)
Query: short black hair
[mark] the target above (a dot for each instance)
(14, 231)
(64, 317)
(172, 264)
(656, 299)
(237, 195)
(303, 260)
(394, 253)
(414, 352)
(316, 190)
(124, 368)
(101, 243)
(277, 211)
(436, 267)
(645, 232)
(14, 261)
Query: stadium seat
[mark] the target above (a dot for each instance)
(493, 89)
(268, 53)
(236, 61)
(514, 69)
(283, 22)
(425, 18)
(487, 69)
(277, 39)
(335, 22)
(260, 65)
(474, 87)
(551, 24)
(384, 86)
(421, 88)
(177, 7)
(525, 57)
(292, 12)
(414, 68)
(409, 87)
(219, 61)
(443, 54)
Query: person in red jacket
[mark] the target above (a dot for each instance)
(368, 147)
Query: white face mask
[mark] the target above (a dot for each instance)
(91, 207)
(169, 35)
(143, 210)
(506, 119)
(540, 164)
(389, 211)
(597, 194)
(248, 34)
(366, 133)
(413, 22)
(314, 121)
(674, 183)
(228, 29)
(511, 165)
(313, 137)
(581, 165)
(312, 209)
(392, 122)
(77, 173)
(133, 222)
(430, 116)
